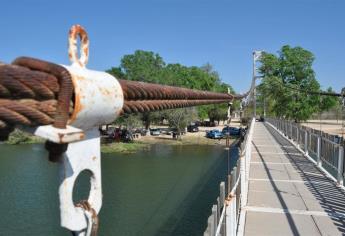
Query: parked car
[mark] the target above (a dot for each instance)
(141, 131)
(122, 135)
(192, 128)
(231, 131)
(214, 134)
(177, 134)
(155, 132)
(166, 131)
(208, 124)
(197, 123)
(126, 136)
(175, 131)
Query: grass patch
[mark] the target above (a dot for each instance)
(124, 147)
(20, 137)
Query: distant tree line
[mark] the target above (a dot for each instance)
(150, 67)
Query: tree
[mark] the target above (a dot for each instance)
(117, 72)
(129, 121)
(286, 78)
(150, 67)
(219, 112)
(143, 66)
(149, 117)
(180, 118)
(328, 102)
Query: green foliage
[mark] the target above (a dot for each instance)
(117, 72)
(143, 66)
(285, 77)
(328, 102)
(129, 121)
(20, 137)
(125, 148)
(150, 67)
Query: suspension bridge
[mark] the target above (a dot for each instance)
(288, 179)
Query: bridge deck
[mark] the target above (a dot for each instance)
(287, 194)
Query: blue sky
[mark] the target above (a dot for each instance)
(190, 32)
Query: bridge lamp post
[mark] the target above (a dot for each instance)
(256, 56)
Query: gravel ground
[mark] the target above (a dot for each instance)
(328, 126)
(188, 138)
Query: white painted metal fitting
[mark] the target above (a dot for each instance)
(98, 96)
(80, 156)
(98, 99)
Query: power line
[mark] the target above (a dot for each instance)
(321, 93)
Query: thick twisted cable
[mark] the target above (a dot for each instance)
(65, 86)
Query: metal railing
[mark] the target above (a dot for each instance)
(326, 150)
(226, 214)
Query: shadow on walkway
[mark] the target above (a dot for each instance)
(292, 224)
(330, 197)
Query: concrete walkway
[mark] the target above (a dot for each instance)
(287, 194)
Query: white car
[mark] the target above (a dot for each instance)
(155, 132)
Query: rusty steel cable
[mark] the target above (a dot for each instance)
(146, 97)
(35, 92)
(157, 105)
(135, 90)
(65, 86)
(29, 78)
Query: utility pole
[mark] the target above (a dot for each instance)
(254, 88)
(256, 57)
(229, 109)
(264, 107)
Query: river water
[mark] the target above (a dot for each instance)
(168, 190)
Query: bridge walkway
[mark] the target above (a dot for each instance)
(287, 194)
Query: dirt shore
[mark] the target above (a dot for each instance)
(327, 126)
(144, 142)
(188, 138)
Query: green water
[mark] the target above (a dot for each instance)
(168, 190)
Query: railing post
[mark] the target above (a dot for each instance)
(207, 231)
(340, 165)
(242, 175)
(215, 220)
(306, 142)
(290, 135)
(319, 161)
(210, 225)
(223, 229)
(222, 194)
(231, 218)
(233, 177)
(229, 183)
(218, 211)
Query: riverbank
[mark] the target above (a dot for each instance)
(21, 137)
(142, 144)
(145, 142)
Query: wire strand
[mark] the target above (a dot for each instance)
(321, 93)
